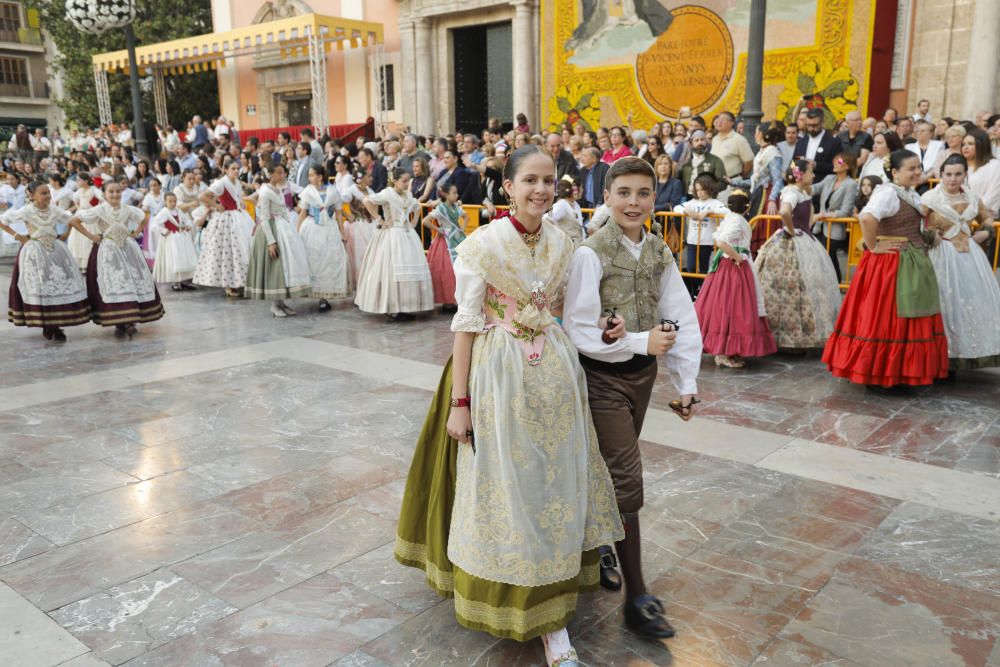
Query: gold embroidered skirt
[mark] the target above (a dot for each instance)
(503, 610)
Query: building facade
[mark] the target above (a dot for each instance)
(26, 89)
(274, 90)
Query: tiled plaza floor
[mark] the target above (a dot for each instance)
(223, 490)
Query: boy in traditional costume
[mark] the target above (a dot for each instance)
(626, 305)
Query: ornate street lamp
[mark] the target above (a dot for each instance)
(98, 16)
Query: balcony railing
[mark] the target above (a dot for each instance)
(36, 90)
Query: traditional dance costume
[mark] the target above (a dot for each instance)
(766, 184)
(176, 257)
(801, 292)
(970, 296)
(394, 277)
(287, 275)
(730, 306)
(568, 217)
(889, 331)
(225, 240)
(151, 204)
(79, 245)
(359, 231)
(511, 531)
(46, 288)
(119, 283)
(442, 254)
(641, 284)
(320, 231)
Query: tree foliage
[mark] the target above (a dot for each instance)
(156, 21)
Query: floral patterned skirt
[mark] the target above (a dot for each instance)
(801, 292)
(503, 610)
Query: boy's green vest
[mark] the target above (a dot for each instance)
(630, 286)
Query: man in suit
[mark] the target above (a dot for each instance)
(565, 163)
(302, 152)
(380, 175)
(466, 180)
(818, 145)
(590, 179)
(306, 136)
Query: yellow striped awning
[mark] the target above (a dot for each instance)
(273, 36)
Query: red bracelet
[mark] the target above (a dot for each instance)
(461, 402)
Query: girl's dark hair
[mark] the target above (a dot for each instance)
(896, 160)
(398, 173)
(85, 177)
(955, 159)
(708, 183)
(175, 167)
(984, 151)
(515, 159)
(443, 192)
(318, 170)
(738, 203)
(564, 189)
(892, 140)
(862, 199)
(773, 133)
(58, 178)
(34, 185)
(799, 166)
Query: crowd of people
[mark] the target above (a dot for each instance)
(559, 316)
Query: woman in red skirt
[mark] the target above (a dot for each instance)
(730, 306)
(889, 331)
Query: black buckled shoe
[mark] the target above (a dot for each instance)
(611, 579)
(644, 617)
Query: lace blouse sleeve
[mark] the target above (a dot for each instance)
(470, 293)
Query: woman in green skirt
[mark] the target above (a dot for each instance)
(279, 262)
(508, 497)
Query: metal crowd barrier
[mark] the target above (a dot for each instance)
(476, 213)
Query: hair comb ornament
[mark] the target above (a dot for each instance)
(740, 192)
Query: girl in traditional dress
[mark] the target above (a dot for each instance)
(86, 196)
(320, 225)
(176, 258)
(508, 497)
(566, 213)
(801, 292)
(766, 181)
(343, 178)
(730, 306)
(890, 330)
(152, 203)
(225, 240)
(394, 277)
(46, 288)
(279, 264)
(970, 296)
(361, 223)
(62, 195)
(449, 220)
(120, 286)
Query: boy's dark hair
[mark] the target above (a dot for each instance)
(628, 166)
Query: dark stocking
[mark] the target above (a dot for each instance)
(630, 557)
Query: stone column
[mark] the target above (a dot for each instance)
(524, 46)
(424, 76)
(984, 59)
(408, 88)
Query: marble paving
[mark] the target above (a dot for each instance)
(223, 490)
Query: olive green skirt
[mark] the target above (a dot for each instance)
(503, 610)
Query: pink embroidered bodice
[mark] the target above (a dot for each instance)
(500, 311)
